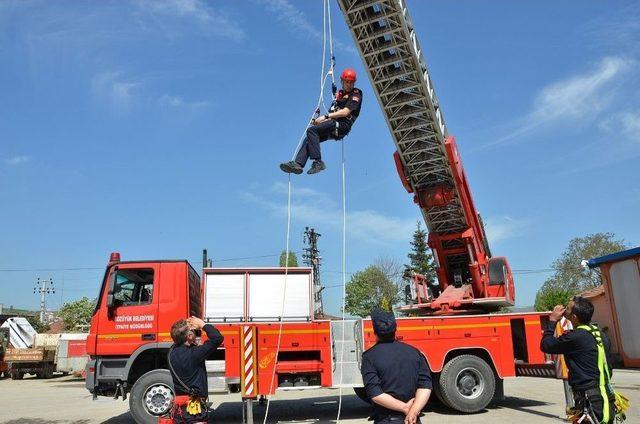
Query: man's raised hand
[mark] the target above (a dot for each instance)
(557, 313)
(195, 323)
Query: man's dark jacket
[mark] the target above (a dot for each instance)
(581, 353)
(188, 362)
(394, 368)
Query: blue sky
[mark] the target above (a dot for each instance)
(155, 128)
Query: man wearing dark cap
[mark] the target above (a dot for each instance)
(396, 376)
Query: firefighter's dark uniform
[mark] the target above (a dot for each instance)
(331, 128)
(580, 351)
(188, 363)
(394, 368)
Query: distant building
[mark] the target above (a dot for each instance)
(6, 313)
(617, 300)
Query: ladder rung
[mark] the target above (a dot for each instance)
(384, 46)
(370, 19)
(386, 30)
(359, 5)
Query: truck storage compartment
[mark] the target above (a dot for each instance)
(256, 294)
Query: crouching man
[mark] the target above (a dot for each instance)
(396, 376)
(187, 366)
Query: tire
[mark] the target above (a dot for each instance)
(151, 396)
(467, 383)
(437, 391)
(17, 375)
(362, 394)
(48, 371)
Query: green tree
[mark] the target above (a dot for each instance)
(77, 315)
(420, 257)
(368, 289)
(293, 261)
(569, 278)
(551, 296)
(38, 326)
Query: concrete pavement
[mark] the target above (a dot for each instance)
(65, 400)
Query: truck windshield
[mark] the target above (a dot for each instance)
(133, 287)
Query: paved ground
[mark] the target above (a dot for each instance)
(64, 400)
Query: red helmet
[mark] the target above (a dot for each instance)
(348, 75)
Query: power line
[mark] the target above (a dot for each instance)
(241, 258)
(275, 255)
(49, 269)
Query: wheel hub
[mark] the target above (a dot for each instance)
(470, 383)
(158, 399)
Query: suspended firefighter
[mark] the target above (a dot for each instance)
(336, 124)
(586, 350)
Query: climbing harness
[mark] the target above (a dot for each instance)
(324, 77)
(583, 413)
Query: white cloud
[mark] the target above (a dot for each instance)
(369, 226)
(617, 29)
(297, 22)
(625, 125)
(114, 87)
(209, 20)
(502, 228)
(178, 102)
(575, 99)
(310, 205)
(17, 160)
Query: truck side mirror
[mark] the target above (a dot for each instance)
(112, 285)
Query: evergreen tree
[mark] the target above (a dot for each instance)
(420, 257)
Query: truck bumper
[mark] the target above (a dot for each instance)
(90, 381)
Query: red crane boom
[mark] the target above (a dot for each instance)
(428, 162)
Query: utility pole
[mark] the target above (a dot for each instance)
(206, 261)
(311, 257)
(43, 287)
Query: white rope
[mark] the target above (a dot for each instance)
(344, 271)
(323, 80)
(344, 222)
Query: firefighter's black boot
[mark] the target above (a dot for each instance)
(291, 167)
(317, 166)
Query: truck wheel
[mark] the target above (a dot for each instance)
(437, 391)
(467, 383)
(362, 394)
(48, 371)
(17, 375)
(151, 396)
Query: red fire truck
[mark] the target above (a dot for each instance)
(128, 341)
(470, 348)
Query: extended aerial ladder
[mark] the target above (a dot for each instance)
(428, 162)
